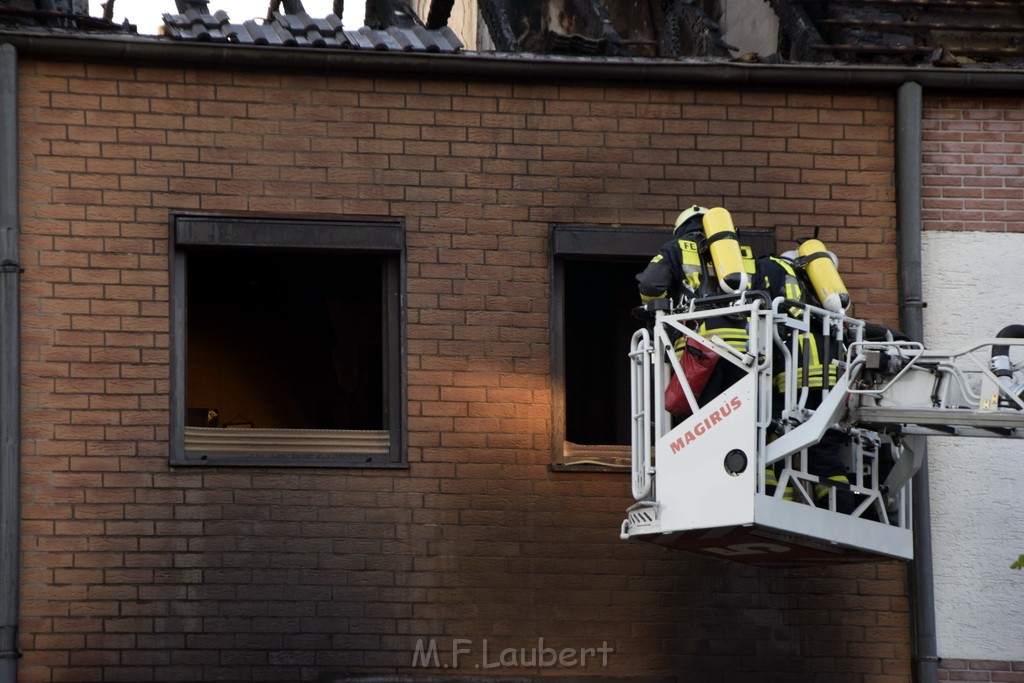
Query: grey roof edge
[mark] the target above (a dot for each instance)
(302, 30)
(518, 65)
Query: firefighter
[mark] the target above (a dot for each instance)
(824, 458)
(676, 271)
(680, 271)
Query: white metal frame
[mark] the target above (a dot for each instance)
(884, 390)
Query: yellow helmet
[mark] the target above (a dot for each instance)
(689, 220)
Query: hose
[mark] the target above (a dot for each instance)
(1003, 369)
(1008, 332)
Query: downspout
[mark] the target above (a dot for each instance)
(10, 393)
(908, 188)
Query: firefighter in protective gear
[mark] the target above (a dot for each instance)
(697, 234)
(815, 371)
(683, 270)
(676, 271)
(680, 271)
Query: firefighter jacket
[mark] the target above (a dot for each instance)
(676, 272)
(679, 273)
(814, 352)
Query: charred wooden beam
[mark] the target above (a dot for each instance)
(597, 23)
(290, 7)
(922, 50)
(944, 5)
(381, 14)
(671, 43)
(923, 26)
(690, 31)
(559, 43)
(61, 6)
(796, 27)
(495, 14)
(183, 6)
(62, 18)
(440, 12)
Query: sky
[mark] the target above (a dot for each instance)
(148, 14)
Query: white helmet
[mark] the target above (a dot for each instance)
(686, 222)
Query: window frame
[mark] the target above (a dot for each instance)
(588, 242)
(190, 232)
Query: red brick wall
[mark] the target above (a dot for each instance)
(973, 171)
(963, 670)
(136, 571)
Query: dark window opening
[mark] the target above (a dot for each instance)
(594, 292)
(599, 298)
(285, 340)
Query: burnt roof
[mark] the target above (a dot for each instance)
(909, 32)
(301, 30)
(396, 27)
(58, 14)
(940, 33)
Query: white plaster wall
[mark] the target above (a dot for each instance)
(974, 286)
(750, 26)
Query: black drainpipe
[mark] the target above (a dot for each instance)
(10, 393)
(908, 187)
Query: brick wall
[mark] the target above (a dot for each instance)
(973, 170)
(136, 571)
(963, 670)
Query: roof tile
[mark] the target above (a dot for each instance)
(301, 30)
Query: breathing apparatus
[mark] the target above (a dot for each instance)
(721, 240)
(820, 268)
(710, 238)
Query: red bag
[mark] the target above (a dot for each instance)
(697, 363)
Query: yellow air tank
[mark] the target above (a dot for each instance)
(821, 271)
(725, 250)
